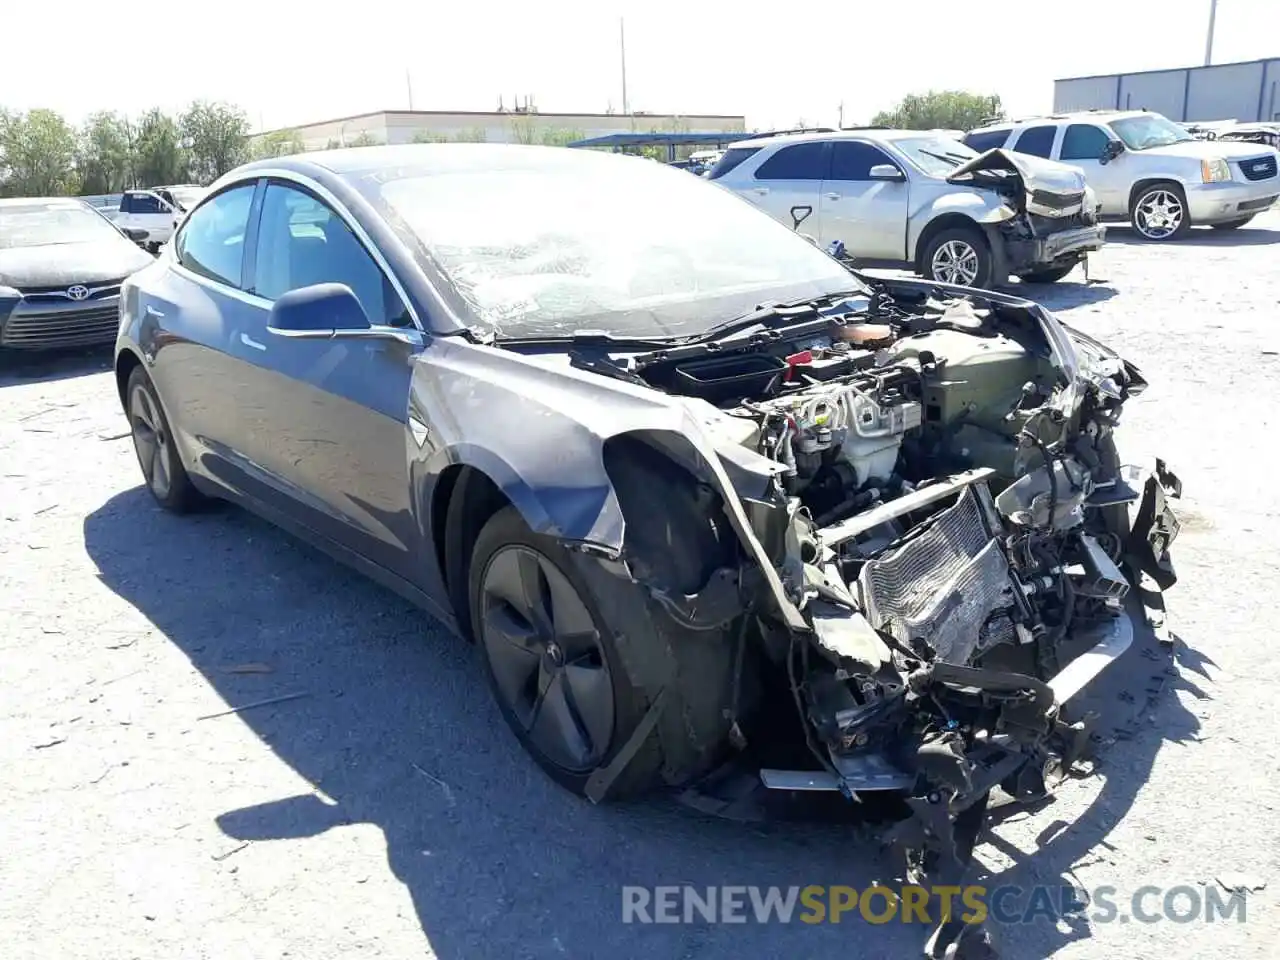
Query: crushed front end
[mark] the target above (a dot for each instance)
(952, 522)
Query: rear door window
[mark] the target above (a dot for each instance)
(800, 161)
(1037, 141)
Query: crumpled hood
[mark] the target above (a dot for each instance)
(1049, 188)
(53, 264)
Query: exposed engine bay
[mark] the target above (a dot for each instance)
(950, 514)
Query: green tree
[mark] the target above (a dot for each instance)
(104, 157)
(39, 149)
(940, 110)
(280, 143)
(472, 135)
(428, 136)
(216, 137)
(364, 139)
(158, 157)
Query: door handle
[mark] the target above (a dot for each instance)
(832, 196)
(248, 341)
(760, 191)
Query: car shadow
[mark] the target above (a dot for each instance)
(1064, 295)
(17, 366)
(1249, 236)
(398, 730)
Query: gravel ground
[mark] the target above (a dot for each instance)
(387, 813)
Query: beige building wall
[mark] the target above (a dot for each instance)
(403, 126)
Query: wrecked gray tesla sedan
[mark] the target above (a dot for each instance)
(696, 490)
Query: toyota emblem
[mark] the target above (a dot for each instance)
(78, 292)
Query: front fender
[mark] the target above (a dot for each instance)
(984, 207)
(537, 426)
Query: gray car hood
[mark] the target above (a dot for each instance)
(1047, 188)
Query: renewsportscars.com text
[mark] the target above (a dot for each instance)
(816, 904)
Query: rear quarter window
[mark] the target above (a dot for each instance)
(730, 159)
(985, 140)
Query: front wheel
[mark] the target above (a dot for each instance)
(551, 658)
(958, 255)
(1159, 212)
(1231, 224)
(1050, 275)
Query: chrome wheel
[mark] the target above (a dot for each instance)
(1158, 214)
(955, 261)
(548, 666)
(151, 442)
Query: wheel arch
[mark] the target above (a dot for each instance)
(126, 362)
(945, 221)
(1148, 182)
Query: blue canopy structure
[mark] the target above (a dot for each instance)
(620, 141)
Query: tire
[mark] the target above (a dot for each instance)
(973, 268)
(552, 679)
(1051, 275)
(1158, 212)
(1231, 224)
(158, 457)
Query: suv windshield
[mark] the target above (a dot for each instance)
(42, 224)
(936, 156)
(1149, 130)
(537, 242)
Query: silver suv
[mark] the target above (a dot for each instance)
(1149, 170)
(922, 200)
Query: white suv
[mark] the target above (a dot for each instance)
(1149, 170)
(923, 200)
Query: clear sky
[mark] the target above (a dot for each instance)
(775, 62)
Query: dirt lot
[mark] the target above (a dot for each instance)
(387, 813)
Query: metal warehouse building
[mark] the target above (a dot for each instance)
(1228, 91)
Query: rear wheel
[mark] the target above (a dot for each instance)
(551, 659)
(157, 454)
(1159, 212)
(1051, 275)
(958, 255)
(1231, 224)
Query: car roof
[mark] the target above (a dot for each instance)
(350, 163)
(883, 134)
(1074, 116)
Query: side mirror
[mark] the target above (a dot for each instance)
(886, 171)
(1112, 150)
(321, 311)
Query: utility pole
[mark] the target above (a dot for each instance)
(1208, 44)
(622, 37)
(840, 125)
(408, 82)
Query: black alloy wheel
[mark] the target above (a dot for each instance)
(546, 661)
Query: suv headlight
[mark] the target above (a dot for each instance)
(1214, 170)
